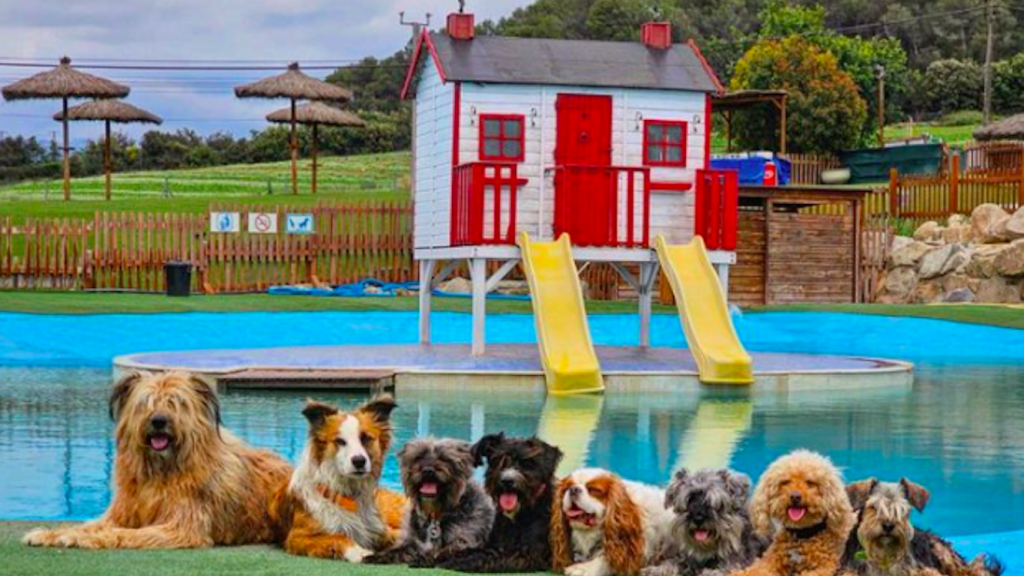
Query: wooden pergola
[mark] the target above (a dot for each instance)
(729, 102)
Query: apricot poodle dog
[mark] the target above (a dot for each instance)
(801, 503)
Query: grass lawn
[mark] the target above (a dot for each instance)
(374, 176)
(19, 560)
(124, 303)
(952, 135)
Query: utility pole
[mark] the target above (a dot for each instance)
(417, 26)
(880, 72)
(989, 18)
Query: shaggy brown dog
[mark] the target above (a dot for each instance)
(800, 500)
(181, 480)
(332, 506)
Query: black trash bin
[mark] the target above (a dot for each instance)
(178, 277)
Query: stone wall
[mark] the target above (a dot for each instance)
(976, 259)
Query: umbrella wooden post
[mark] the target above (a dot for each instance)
(295, 153)
(67, 156)
(107, 163)
(313, 154)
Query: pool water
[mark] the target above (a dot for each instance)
(958, 431)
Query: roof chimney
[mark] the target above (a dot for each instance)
(461, 26)
(656, 35)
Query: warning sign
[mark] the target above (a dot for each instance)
(224, 222)
(262, 223)
(300, 224)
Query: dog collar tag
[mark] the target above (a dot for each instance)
(434, 532)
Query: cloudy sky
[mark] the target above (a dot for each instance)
(277, 31)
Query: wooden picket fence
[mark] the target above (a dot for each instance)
(128, 250)
(807, 168)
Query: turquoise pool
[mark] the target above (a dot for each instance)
(958, 431)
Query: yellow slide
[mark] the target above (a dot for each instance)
(704, 314)
(570, 363)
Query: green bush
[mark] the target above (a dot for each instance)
(825, 111)
(1008, 85)
(951, 85)
(962, 118)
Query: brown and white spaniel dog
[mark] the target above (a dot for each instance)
(602, 525)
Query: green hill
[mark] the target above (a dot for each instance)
(375, 176)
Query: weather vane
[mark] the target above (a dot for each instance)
(462, 6)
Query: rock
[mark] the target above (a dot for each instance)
(513, 287)
(909, 255)
(954, 282)
(1010, 262)
(926, 292)
(899, 242)
(956, 220)
(985, 221)
(982, 264)
(456, 286)
(370, 290)
(900, 282)
(997, 291)
(1013, 227)
(927, 231)
(943, 260)
(959, 295)
(956, 234)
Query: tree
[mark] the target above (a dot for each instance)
(826, 114)
(951, 86)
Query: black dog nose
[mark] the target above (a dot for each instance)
(359, 462)
(888, 527)
(796, 498)
(159, 421)
(429, 473)
(508, 483)
(575, 491)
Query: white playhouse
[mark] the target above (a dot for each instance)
(607, 143)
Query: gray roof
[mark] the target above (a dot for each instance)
(505, 60)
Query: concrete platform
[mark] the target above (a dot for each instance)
(628, 369)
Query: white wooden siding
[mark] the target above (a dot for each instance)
(433, 159)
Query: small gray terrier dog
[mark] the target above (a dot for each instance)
(448, 510)
(711, 532)
(885, 543)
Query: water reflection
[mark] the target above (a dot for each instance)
(957, 432)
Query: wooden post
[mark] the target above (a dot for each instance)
(313, 154)
(1020, 185)
(67, 152)
(881, 106)
(294, 145)
(107, 168)
(727, 114)
(426, 285)
(478, 275)
(894, 191)
(954, 183)
(782, 135)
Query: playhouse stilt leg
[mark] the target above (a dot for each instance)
(426, 281)
(648, 272)
(723, 278)
(478, 274)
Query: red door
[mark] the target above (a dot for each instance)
(585, 204)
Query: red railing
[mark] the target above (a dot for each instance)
(603, 205)
(484, 203)
(717, 208)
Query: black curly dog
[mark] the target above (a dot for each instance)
(520, 479)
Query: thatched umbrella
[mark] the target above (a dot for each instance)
(108, 111)
(294, 85)
(1011, 128)
(314, 114)
(64, 82)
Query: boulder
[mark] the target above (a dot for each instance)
(1010, 262)
(983, 263)
(959, 295)
(997, 291)
(928, 231)
(899, 283)
(956, 234)
(909, 254)
(513, 287)
(899, 242)
(456, 286)
(954, 282)
(1013, 227)
(927, 292)
(943, 260)
(985, 222)
(956, 220)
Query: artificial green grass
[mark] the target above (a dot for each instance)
(19, 560)
(348, 178)
(990, 315)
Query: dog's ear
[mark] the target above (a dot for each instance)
(858, 492)
(916, 494)
(559, 535)
(318, 412)
(624, 545)
(463, 455)
(207, 392)
(736, 483)
(484, 447)
(760, 507)
(380, 407)
(676, 487)
(550, 456)
(120, 392)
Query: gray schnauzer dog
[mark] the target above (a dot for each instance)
(448, 511)
(711, 532)
(884, 543)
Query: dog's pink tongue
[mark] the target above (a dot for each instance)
(159, 442)
(701, 535)
(796, 514)
(508, 501)
(428, 489)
